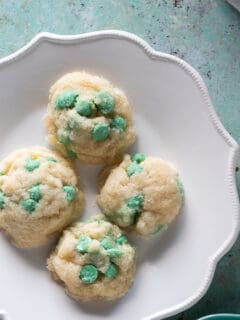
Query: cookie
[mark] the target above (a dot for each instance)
(94, 261)
(88, 118)
(143, 194)
(39, 196)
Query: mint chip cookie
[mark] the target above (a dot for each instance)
(88, 119)
(143, 194)
(39, 196)
(94, 261)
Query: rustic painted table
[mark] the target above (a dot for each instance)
(205, 33)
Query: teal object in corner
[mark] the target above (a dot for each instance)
(222, 316)
(205, 33)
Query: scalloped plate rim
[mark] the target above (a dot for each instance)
(153, 54)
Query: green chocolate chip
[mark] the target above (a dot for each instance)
(135, 202)
(2, 200)
(107, 242)
(121, 240)
(71, 154)
(83, 244)
(88, 274)
(29, 205)
(34, 193)
(66, 100)
(158, 229)
(100, 221)
(31, 164)
(125, 215)
(180, 187)
(100, 132)
(133, 168)
(118, 123)
(63, 136)
(2, 174)
(84, 108)
(138, 157)
(70, 193)
(51, 159)
(111, 271)
(114, 253)
(135, 205)
(104, 102)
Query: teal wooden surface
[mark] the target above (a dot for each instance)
(205, 33)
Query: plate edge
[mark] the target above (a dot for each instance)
(153, 54)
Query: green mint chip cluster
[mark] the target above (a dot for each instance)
(110, 246)
(135, 166)
(101, 103)
(29, 204)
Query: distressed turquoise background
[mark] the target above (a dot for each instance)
(205, 33)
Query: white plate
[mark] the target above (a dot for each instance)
(175, 120)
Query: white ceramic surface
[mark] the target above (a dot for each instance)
(175, 120)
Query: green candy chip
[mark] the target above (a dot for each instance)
(31, 164)
(107, 242)
(66, 100)
(126, 215)
(114, 253)
(2, 200)
(51, 159)
(34, 193)
(138, 157)
(118, 123)
(29, 205)
(70, 193)
(133, 168)
(111, 271)
(104, 102)
(2, 174)
(135, 202)
(121, 240)
(63, 136)
(100, 132)
(83, 244)
(71, 154)
(158, 229)
(180, 187)
(88, 274)
(129, 211)
(85, 108)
